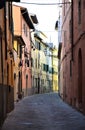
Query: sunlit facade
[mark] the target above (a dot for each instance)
(41, 64)
(6, 60)
(22, 52)
(55, 69)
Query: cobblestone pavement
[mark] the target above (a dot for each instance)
(44, 112)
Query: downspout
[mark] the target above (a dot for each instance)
(5, 31)
(52, 70)
(5, 43)
(72, 25)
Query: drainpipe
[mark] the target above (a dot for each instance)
(5, 31)
(72, 42)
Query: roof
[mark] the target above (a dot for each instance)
(27, 18)
(34, 19)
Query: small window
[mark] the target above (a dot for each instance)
(26, 32)
(39, 46)
(47, 68)
(27, 61)
(14, 76)
(32, 62)
(36, 63)
(70, 68)
(9, 88)
(65, 38)
(24, 28)
(64, 8)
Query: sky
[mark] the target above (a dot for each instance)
(47, 16)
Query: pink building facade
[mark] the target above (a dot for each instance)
(26, 53)
(22, 26)
(72, 54)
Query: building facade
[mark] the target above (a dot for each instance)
(55, 69)
(72, 54)
(42, 64)
(6, 60)
(22, 50)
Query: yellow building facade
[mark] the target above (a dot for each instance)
(55, 70)
(42, 64)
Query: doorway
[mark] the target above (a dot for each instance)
(38, 85)
(80, 78)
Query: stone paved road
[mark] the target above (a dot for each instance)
(44, 112)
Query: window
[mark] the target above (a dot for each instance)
(64, 8)
(79, 11)
(36, 44)
(47, 68)
(43, 67)
(70, 31)
(10, 17)
(32, 62)
(50, 70)
(70, 68)
(25, 30)
(7, 8)
(27, 61)
(65, 38)
(39, 46)
(36, 63)
(36, 82)
(20, 51)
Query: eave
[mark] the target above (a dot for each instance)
(59, 50)
(34, 19)
(20, 39)
(26, 17)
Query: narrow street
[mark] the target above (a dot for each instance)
(44, 112)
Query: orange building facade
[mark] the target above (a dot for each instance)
(22, 69)
(6, 60)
